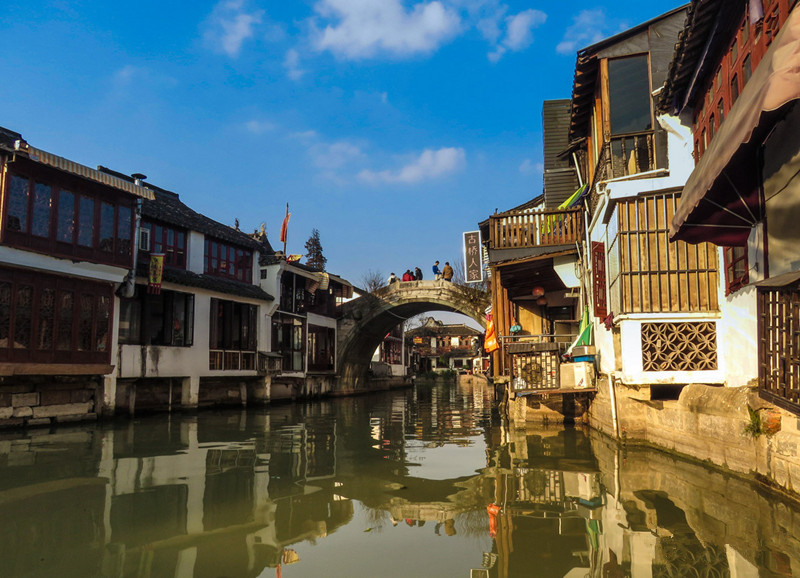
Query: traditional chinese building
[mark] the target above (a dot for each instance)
(734, 79)
(444, 346)
(199, 335)
(303, 327)
(67, 237)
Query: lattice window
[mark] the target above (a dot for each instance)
(648, 273)
(51, 319)
(689, 346)
(779, 347)
(599, 280)
(539, 370)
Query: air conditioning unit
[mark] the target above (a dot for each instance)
(144, 240)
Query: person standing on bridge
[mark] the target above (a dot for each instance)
(436, 273)
(392, 278)
(407, 276)
(447, 272)
(417, 274)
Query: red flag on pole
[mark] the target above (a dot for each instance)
(285, 227)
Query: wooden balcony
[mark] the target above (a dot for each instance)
(532, 229)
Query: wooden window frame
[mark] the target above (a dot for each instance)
(223, 329)
(654, 275)
(142, 305)
(746, 47)
(735, 282)
(321, 340)
(217, 254)
(119, 254)
(94, 291)
(284, 343)
(172, 250)
(599, 280)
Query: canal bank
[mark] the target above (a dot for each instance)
(729, 427)
(423, 482)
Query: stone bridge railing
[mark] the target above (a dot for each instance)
(364, 322)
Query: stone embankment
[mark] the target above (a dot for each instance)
(729, 427)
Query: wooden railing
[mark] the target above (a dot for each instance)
(219, 359)
(632, 153)
(530, 229)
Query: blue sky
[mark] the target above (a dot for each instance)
(391, 126)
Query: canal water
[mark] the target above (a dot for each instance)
(418, 482)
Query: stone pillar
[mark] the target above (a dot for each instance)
(109, 401)
(190, 392)
(259, 390)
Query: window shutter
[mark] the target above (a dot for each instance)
(599, 280)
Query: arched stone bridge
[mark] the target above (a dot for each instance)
(364, 322)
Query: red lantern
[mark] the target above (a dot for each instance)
(537, 291)
(541, 301)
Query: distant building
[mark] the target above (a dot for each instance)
(389, 358)
(444, 346)
(303, 331)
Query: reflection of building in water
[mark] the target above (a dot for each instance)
(198, 509)
(546, 504)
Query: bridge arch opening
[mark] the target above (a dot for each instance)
(365, 321)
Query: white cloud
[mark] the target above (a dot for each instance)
(588, 27)
(126, 75)
(258, 126)
(330, 156)
(429, 165)
(358, 29)
(529, 168)
(230, 25)
(292, 64)
(520, 27)
(518, 32)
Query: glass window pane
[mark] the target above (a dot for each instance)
(629, 93)
(65, 316)
(42, 201)
(22, 317)
(47, 309)
(106, 227)
(66, 217)
(124, 230)
(18, 204)
(746, 69)
(130, 313)
(86, 222)
(178, 319)
(189, 331)
(158, 239)
(85, 322)
(101, 339)
(5, 314)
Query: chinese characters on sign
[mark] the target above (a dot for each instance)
(473, 257)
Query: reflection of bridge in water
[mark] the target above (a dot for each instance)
(364, 322)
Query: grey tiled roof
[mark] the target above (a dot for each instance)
(169, 209)
(190, 279)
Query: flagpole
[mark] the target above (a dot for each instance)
(286, 236)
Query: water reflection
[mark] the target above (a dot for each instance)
(412, 483)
